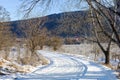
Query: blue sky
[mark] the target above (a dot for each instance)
(12, 6)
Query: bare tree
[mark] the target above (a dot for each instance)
(104, 15)
(116, 4)
(28, 5)
(109, 18)
(4, 15)
(108, 15)
(34, 36)
(42, 38)
(54, 42)
(6, 36)
(98, 34)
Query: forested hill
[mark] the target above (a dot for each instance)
(63, 24)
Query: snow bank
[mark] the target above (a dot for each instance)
(12, 67)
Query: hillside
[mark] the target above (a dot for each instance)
(64, 24)
(69, 24)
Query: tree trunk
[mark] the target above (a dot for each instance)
(54, 48)
(7, 53)
(95, 58)
(19, 53)
(107, 57)
(41, 47)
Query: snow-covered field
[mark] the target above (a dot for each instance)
(66, 67)
(70, 62)
(91, 51)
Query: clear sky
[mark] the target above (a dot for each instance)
(12, 6)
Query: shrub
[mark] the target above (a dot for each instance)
(55, 42)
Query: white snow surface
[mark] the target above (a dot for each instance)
(66, 67)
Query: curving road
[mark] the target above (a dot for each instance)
(67, 67)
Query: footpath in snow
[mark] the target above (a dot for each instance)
(68, 67)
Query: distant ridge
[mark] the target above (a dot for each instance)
(53, 23)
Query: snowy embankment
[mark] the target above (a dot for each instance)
(68, 67)
(14, 62)
(8, 67)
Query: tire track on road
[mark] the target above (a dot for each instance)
(61, 67)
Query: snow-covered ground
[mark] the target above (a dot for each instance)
(67, 67)
(92, 52)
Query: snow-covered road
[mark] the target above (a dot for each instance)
(68, 67)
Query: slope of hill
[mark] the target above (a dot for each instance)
(63, 24)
